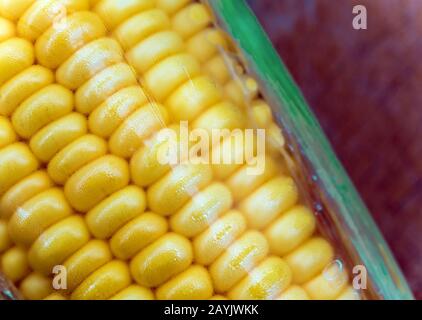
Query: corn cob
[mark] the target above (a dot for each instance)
(113, 113)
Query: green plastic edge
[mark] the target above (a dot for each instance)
(296, 116)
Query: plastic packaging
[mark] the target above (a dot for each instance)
(140, 159)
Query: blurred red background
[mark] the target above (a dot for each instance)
(365, 88)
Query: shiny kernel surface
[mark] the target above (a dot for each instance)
(137, 234)
(192, 284)
(265, 282)
(22, 86)
(7, 134)
(34, 216)
(113, 212)
(240, 258)
(202, 210)
(309, 259)
(35, 286)
(17, 162)
(290, 230)
(95, 181)
(14, 264)
(68, 160)
(215, 240)
(23, 191)
(104, 282)
(40, 109)
(270, 200)
(161, 260)
(88, 89)
(85, 261)
(57, 243)
(170, 193)
(16, 55)
(63, 39)
(134, 292)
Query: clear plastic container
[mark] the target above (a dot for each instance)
(343, 216)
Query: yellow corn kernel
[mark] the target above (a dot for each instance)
(213, 241)
(5, 241)
(67, 161)
(294, 292)
(166, 257)
(170, 193)
(309, 259)
(55, 296)
(134, 292)
(114, 13)
(192, 98)
(349, 294)
(93, 3)
(88, 61)
(265, 282)
(7, 29)
(107, 117)
(22, 191)
(145, 165)
(221, 116)
(290, 230)
(218, 297)
(217, 68)
(22, 86)
(104, 283)
(241, 257)
(242, 183)
(329, 284)
(37, 18)
(241, 90)
(202, 210)
(13, 9)
(192, 284)
(154, 49)
(129, 136)
(171, 6)
(7, 134)
(43, 107)
(14, 264)
(116, 210)
(101, 86)
(63, 39)
(35, 286)
(137, 234)
(140, 26)
(275, 138)
(206, 44)
(232, 153)
(261, 114)
(270, 200)
(16, 163)
(191, 19)
(95, 181)
(37, 214)
(57, 243)
(163, 78)
(15, 56)
(85, 261)
(55, 136)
